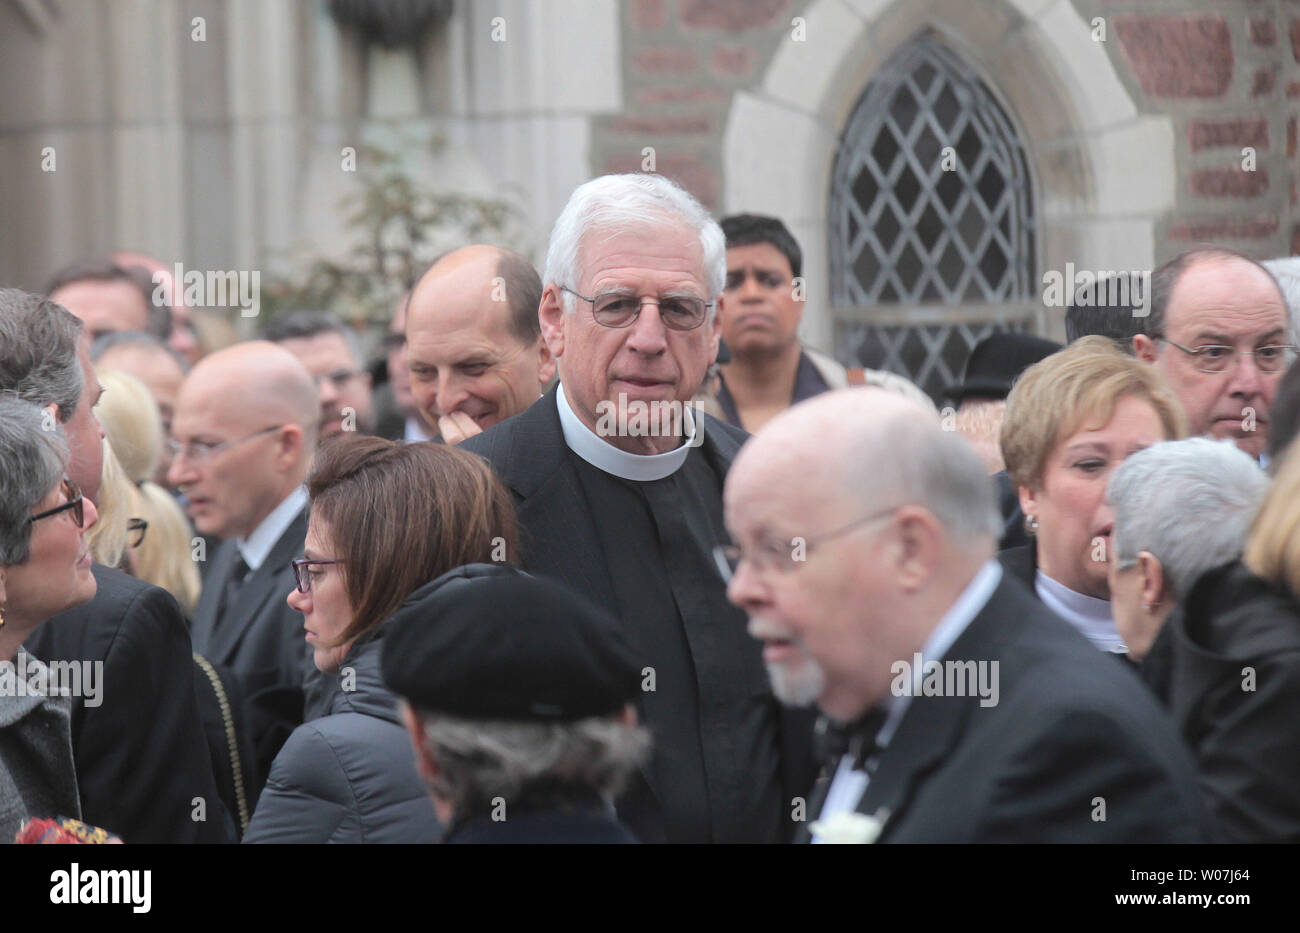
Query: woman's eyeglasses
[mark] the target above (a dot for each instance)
(302, 571)
(137, 527)
(75, 503)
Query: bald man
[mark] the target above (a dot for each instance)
(244, 432)
(474, 345)
(964, 710)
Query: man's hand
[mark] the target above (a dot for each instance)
(457, 426)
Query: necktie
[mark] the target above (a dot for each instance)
(230, 588)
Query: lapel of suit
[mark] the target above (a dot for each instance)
(932, 725)
(205, 613)
(553, 506)
(258, 590)
(817, 800)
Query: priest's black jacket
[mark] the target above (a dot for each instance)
(730, 764)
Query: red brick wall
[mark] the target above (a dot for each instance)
(682, 61)
(1226, 72)
(1228, 75)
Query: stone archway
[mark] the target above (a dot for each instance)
(1104, 174)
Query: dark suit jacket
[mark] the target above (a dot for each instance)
(141, 755)
(260, 640)
(1227, 665)
(1071, 732)
(560, 540)
(1022, 563)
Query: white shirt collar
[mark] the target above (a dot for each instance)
(955, 621)
(255, 548)
(604, 456)
(414, 432)
(1090, 615)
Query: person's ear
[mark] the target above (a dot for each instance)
(545, 364)
(1144, 348)
(1028, 501)
(551, 314)
(1156, 591)
(919, 541)
(715, 335)
(291, 442)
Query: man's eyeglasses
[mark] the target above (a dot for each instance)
(74, 503)
(779, 557)
(1215, 358)
(620, 310)
(302, 571)
(136, 527)
(199, 451)
(338, 378)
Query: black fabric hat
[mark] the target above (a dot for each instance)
(996, 362)
(487, 641)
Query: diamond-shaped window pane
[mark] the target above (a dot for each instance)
(891, 168)
(959, 231)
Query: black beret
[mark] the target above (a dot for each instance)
(487, 641)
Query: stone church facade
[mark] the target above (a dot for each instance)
(935, 158)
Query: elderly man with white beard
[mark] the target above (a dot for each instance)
(864, 543)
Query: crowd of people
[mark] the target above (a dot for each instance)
(604, 553)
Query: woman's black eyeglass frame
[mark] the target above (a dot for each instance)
(301, 576)
(75, 503)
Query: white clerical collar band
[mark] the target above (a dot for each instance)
(604, 456)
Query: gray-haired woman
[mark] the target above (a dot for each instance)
(44, 569)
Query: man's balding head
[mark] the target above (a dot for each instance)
(1213, 297)
(473, 342)
(860, 521)
(246, 419)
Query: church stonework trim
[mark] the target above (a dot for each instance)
(1057, 86)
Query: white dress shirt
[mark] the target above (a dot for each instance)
(255, 548)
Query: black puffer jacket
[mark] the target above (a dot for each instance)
(348, 776)
(1227, 665)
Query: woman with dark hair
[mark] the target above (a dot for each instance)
(44, 569)
(385, 518)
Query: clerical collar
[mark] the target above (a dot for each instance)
(1090, 615)
(604, 456)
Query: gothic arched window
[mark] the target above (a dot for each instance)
(931, 219)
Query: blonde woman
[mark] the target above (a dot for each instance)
(1071, 420)
(155, 528)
